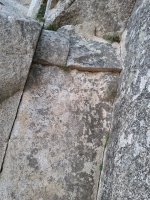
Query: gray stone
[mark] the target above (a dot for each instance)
(34, 8)
(58, 138)
(13, 8)
(18, 38)
(8, 110)
(25, 3)
(126, 172)
(52, 49)
(106, 15)
(17, 45)
(89, 55)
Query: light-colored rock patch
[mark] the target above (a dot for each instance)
(13, 8)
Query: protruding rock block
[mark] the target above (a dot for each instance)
(67, 48)
(52, 49)
(17, 45)
(90, 55)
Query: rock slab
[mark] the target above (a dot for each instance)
(52, 49)
(90, 55)
(58, 138)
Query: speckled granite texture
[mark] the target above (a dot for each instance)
(126, 174)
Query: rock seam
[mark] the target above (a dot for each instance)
(1, 169)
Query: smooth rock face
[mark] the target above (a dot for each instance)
(126, 171)
(90, 55)
(52, 49)
(25, 3)
(106, 15)
(18, 38)
(58, 138)
(13, 8)
(34, 8)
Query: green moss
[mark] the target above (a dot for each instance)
(52, 27)
(107, 138)
(112, 93)
(101, 167)
(112, 38)
(41, 13)
(65, 68)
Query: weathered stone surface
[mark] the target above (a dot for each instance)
(17, 45)
(12, 7)
(18, 38)
(25, 3)
(34, 8)
(106, 15)
(57, 141)
(90, 55)
(52, 49)
(126, 172)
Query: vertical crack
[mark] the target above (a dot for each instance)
(105, 148)
(6, 148)
(102, 163)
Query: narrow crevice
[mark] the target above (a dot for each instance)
(41, 13)
(9, 137)
(82, 69)
(99, 177)
(72, 2)
(105, 148)
(102, 164)
(88, 69)
(2, 165)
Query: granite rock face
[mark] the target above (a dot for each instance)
(90, 55)
(106, 15)
(13, 8)
(58, 138)
(126, 172)
(18, 38)
(53, 140)
(52, 49)
(25, 3)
